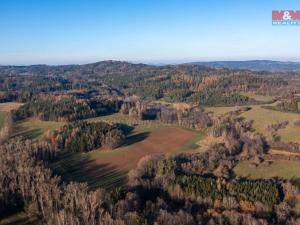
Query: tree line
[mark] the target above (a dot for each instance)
(261, 191)
(82, 136)
(65, 108)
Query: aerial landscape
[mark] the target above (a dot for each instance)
(141, 114)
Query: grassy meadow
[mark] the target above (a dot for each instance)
(2, 118)
(21, 218)
(33, 128)
(5, 108)
(263, 117)
(8, 106)
(289, 170)
(281, 169)
(261, 98)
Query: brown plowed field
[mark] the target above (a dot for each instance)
(109, 168)
(162, 141)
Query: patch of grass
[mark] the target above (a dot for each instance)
(2, 118)
(175, 105)
(8, 106)
(261, 98)
(33, 128)
(281, 169)
(207, 141)
(296, 208)
(5, 108)
(19, 219)
(192, 144)
(218, 111)
(140, 125)
(262, 117)
(81, 167)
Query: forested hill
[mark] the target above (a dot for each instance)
(106, 68)
(98, 68)
(125, 68)
(255, 65)
(101, 68)
(171, 83)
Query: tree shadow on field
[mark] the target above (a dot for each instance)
(136, 138)
(125, 128)
(32, 133)
(78, 167)
(19, 218)
(296, 181)
(26, 132)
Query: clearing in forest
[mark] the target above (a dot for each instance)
(33, 128)
(5, 108)
(8, 106)
(261, 98)
(109, 168)
(279, 168)
(2, 118)
(282, 169)
(263, 117)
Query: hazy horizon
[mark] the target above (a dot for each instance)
(154, 62)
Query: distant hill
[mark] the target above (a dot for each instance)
(99, 68)
(256, 65)
(119, 68)
(103, 68)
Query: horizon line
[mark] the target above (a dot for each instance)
(150, 62)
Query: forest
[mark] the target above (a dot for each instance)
(160, 190)
(66, 108)
(82, 136)
(104, 108)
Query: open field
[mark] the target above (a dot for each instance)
(2, 118)
(164, 140)
(175, 105)
(218, 111)
(34, 128)
(124, 119)
(282, 169)
(19, 219)
(6, 107)
(262, 117)
(262, 98)
(109, 168)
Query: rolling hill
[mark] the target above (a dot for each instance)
(255, 65)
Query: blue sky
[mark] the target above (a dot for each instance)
(152, 31)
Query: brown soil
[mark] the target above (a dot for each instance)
(162, 141)
(108, 168)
